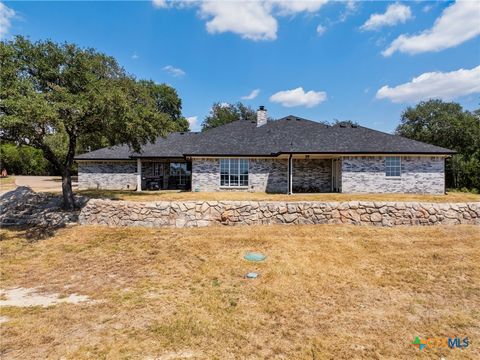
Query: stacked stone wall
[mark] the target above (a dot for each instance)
(209, 213)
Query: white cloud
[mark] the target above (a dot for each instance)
(321, 30)
(440, 85)
(396, 13)
(177, 72)
(135, 56)
(6, 14)
(286, 7)
(458, 23)
(250, 19)
(254, 20)
(298, 97)
(252, 95)
(192, 122)
(160, 3)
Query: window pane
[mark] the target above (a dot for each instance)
(393, 166)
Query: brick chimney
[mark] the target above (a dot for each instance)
(261, 116)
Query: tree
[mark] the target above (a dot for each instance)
(53, 95)
(222, 113)
(24, 160)
(165, 100)
(446, 124)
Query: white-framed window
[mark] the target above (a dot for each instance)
(393, 166)
(233, 172)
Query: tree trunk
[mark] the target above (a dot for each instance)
(68, 198)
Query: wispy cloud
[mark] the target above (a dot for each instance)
(160, 3)
(177, 72)
(6, 14)
(252, 95)
(135, 56)
(321, 30)
(457, 24)
(440, 85)
(395, 14)
(298, 97)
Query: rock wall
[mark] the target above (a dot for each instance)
(207, 213)
(419, 175)
(112, 175)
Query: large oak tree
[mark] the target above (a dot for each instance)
(53, 96)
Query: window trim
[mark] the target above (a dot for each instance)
(394, 167)
(239, 173)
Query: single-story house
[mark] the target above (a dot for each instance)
(288, 155)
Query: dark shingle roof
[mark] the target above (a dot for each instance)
(287, 135)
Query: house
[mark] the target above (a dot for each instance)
(288, 155)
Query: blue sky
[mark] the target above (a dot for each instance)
(363, 61)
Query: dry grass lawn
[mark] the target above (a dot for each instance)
(325, 292)
(258, 196)
(7, 183)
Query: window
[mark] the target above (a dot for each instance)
(180, 173)
(233, 172)
(393, 166)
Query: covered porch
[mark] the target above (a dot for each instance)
(163, 174)
(313, 173)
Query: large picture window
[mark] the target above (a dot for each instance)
(233, 172)
(393, 166)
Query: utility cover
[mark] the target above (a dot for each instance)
(253, 256)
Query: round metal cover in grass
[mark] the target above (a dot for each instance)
(253, 256)
(251, 275)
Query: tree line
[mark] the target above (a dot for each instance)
(58, 100)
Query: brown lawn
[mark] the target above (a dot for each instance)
(7, 183)
(325, 292)
(257, 196)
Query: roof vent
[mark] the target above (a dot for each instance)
(298, 119)
(343, 125)
(354, 126)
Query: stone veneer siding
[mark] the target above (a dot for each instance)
(119, 175)
(209, 213)
(312, 175)
(265, 175)
(419, 174)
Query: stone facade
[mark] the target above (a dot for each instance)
(265, 175)
(119, 175)
(209, 213)
(419, 174)
(312, 175)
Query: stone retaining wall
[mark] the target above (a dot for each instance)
(207, 213)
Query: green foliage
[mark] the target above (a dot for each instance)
(222, 113)
(56, 97)
(24, 160)
(446, 124)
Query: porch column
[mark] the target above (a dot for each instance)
(139, 174)
(290, 175)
